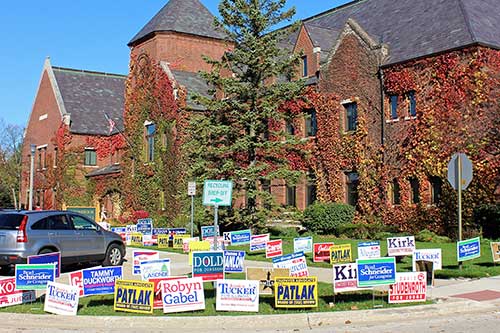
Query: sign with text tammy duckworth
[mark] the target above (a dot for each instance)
(134, 296)
(101, 280)
(409, 287)
(183, 295)
(237, 295)
(296, 292)
(376, 272)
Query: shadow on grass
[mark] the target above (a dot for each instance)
(100, 302)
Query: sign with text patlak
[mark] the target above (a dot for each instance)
(296, 292)
(400, 246)
(134, 296)
(469, 249)
(376, 272)
(340, 253)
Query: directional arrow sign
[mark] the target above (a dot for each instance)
(217, 192)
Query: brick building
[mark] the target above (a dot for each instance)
(354, 53)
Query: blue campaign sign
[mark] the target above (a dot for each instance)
(234, 261)
(376, 272)
(208, 265)
(100, 281)
(145, 226)
(240, 237)
(160, 231)
(469, 249)
(119, 230)
(49, 258)
(34, 277)
(207, 231)
(288, 257)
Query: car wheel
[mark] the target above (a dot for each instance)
(114, 256)
(46, 250)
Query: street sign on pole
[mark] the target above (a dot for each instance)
(217, 193)
(191, 188)
(192, 193)
(465, 170)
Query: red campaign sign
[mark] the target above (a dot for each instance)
(157, 301)
(322, 252)
(76, 280)
(409, 287)
(10, 296)
(274, 248)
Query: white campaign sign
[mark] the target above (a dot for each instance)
(400, 246)
(345, 278)
(237, 295)
(155, 269)
(183, 295)
(433, 255)
(61, 299)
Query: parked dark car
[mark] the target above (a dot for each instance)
(79, 239)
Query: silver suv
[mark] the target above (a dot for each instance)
(79, 239)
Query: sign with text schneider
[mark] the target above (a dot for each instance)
(217, 192)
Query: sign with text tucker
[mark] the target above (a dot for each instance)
(162, 241)
(61, 299)
(158, 268)
(209, 265)
(234, 261)
(217, 192)
(469, 249)
(240, 237)
(303, 244)
(134, 296)
(136, 239)
(266, 276)
(296, 292)
(34, 277)
(49, 258)
(433, 255)
(368, 250)
(258, 242)
(101, 280)
(322, 252)
(237, 295)
(495, 251)
(296, 262)
(274, 248)
(376, 272)
(345, 278)
(409, 287)
(340, 253)
(400, 246)
(10, 296)
(142, 255)
(157, 301)
(183, 295)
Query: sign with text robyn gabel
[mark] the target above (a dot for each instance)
(183, 295)
(296, 292)
(237, 295)
(134, 296)
(376, 272)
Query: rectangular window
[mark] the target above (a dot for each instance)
(55, 157)
(311, 123)
(39, 164)
(415, 190)
(311, 190)
(412, 108)
(304, 66)
(291, 196)
(394, 106)
(396, 192)
(289, 128)
(90, 157)
(436, 189)
(352, 181)
(351, 116)
(150, 142)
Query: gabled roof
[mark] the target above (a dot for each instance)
(186, 16)
(411, 28)
(193, 83)
(88, 96)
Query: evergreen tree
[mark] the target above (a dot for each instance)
(241, 136)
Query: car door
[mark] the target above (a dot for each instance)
(90, 238)
(62, 234)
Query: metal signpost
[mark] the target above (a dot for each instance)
(459, 176)
(192, 193)
(217, 193)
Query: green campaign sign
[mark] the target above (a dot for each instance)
(217, 192)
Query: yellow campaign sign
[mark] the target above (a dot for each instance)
(197, 246)
(134, 296)
(179, 240)
(136, 239)
(296, 292)
(340, 253)
(163, 241)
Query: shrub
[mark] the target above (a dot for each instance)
(288, 232)
(429, 236)
(488, 218)
(326, 218)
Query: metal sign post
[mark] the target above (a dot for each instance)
(216, 227)
(192, 193)
(217, 193)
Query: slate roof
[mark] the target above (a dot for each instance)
(187, 16)
(413, 28)
(87, 96)
(193, 83)
(107, 170)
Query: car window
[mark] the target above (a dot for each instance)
(43, 224)
(10, 221)
(59, 222)
(80, 223)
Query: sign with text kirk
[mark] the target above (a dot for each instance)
(469, 249)
(400, 246)
(409, 287)
(376, 272)
(296, 292)
(217, 192)
(345, 278)
(340, 253)
(134, 296)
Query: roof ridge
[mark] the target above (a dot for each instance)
(467, 20)
(84, 71)
(328, 11)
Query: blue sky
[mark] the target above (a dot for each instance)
(82, 34)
